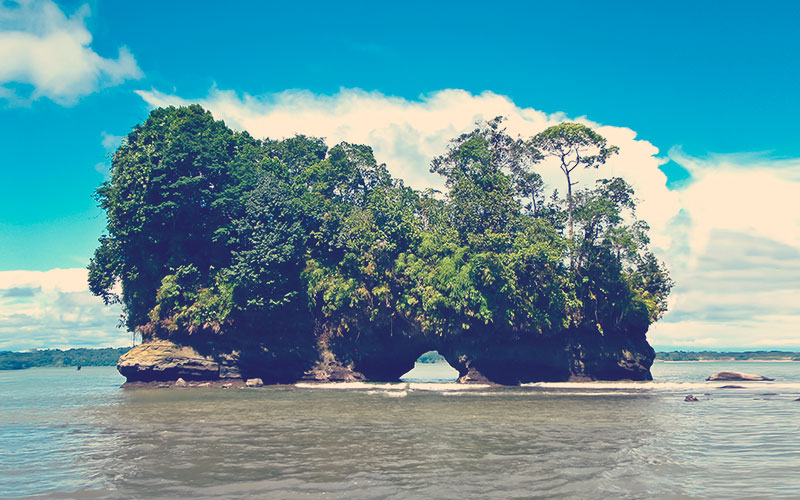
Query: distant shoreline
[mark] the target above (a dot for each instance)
(108, 356)
(728, 356)
(83, 356)
(728, 360)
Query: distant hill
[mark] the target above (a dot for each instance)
(728, 356)
(56, 357)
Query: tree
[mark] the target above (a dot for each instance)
(573, 145)
(487, 172)
(173, 190)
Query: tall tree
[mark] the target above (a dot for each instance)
(573, 145)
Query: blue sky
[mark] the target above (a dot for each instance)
(713, 86)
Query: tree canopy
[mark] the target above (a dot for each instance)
(215, 237)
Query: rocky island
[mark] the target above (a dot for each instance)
(283, 260)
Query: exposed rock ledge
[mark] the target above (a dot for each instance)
(162, 361)
(737, 377)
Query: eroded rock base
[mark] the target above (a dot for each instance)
(570, 356)
(165, 361)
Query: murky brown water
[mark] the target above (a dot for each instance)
(68, 434)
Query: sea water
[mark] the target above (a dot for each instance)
(76, 434)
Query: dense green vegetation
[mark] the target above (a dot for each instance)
(725, 356)
(280, 246)
(55, 357)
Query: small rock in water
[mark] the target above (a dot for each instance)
(180, 382)
(738, 376)
(732, 387)
(798, 399)
(691, 398)
(254, 382)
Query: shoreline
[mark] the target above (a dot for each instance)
(728, 360)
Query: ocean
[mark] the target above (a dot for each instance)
(76, 434)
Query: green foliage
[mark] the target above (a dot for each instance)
(176, 182)
(285, 244)
(728, 356)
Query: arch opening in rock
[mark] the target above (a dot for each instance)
(431, 367)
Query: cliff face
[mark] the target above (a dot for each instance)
(573, 355)
(162, 360)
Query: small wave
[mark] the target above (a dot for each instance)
(388, 394)
(350, 385)
(445, 387)
(668, 386)
(414, 386)
(537, 394)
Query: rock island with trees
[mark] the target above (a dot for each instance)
(286, 260)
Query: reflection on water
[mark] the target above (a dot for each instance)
(69, 434)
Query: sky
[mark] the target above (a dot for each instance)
(700, 97)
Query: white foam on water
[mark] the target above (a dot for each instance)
(445, 386)
(533, 394)
(389, 393)
(350, 385)
(414, 386)
(559, 388)
(670, 386)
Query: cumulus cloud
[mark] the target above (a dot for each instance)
(44, 49)
(738, 273)
(46, 309)
(727, 235)
(731, 243)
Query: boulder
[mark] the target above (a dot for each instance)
(229, 365)
(737, 377)
(329, 369)
(473, 376)
(180, 383)
(254, 382)
(691, 398)
(162, 360)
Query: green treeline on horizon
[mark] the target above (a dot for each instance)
(284, 245)
(107, 356)
(727, 355)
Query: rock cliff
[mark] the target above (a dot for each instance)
(572, 355)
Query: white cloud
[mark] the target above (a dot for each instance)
(728, 236)
(46, 309)
(110, 141)
(738, 273)
(42, 47)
